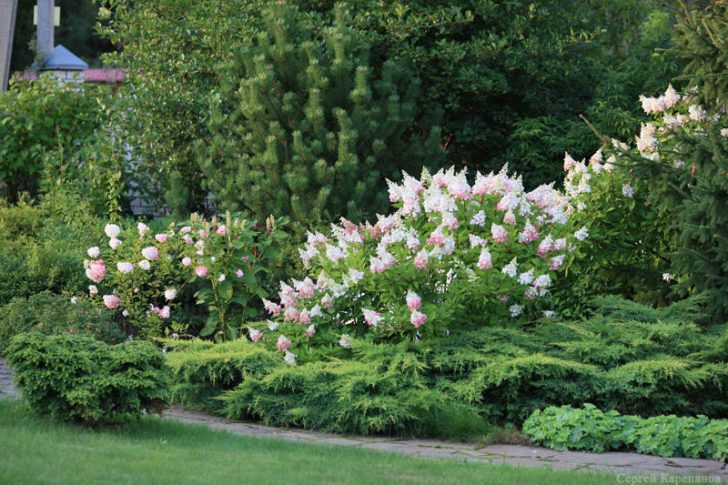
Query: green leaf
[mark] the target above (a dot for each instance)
(210, 326)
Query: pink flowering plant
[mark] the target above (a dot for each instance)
(141, 274)
(450, 253)
(130, 273)
(226, 259)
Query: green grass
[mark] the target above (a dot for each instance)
(36, 450)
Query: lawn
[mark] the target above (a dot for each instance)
(35, 449)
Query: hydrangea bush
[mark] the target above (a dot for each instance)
(141, 274)
(654, 208)
(451, 253)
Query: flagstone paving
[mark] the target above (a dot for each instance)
(654, 469)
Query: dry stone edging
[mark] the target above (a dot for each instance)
(658, 468)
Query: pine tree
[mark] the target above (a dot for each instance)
(304, 127)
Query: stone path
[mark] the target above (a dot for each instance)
(621, 463)
(654, 468)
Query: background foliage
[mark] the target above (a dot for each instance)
(508, 78)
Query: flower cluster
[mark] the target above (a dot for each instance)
(451, 252)
(143, 273)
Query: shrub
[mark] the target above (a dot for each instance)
(52, 314)
(144, 274)
(592, 430)
(203, 371)
(72, 377)
(470, 380)
(40, 244)
(671, 187)
(40, 116)
(451, 253)
(386, 395)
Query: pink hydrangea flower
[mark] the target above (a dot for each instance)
(529, 234)
(203, 234)
(255, 335)
(569, 162)
(556, 262)
(96, 270)
(372, 317)
(272, 308)
(545, 246)
(310, 331)
(124, 267)
(421, 259)
(303, 318)
(239, 273)
(283, 344)
(162, 238)
(499, 233)
(164, 312)
(484, 260)
(222, 230)
(151, 253)
(436, 238)
(418, 318)
(186, 261)
(290, 314)
(111, 301)
(142, 228)
(201, 271)
(414, 302)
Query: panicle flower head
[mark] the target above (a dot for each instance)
(283, 343)
(372, 317)
(499, 233)
(150, 253)
(111, 301)
(124, 267)
(96, 270)
(484, 260)
(421, 259)
(414, 302)
(254, 335)
(418, 318)
(112, 230)
(272, 308)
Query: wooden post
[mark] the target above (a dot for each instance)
(8, 9)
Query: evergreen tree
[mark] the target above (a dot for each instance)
(303, 126)
(690, 181)
(702, 41)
